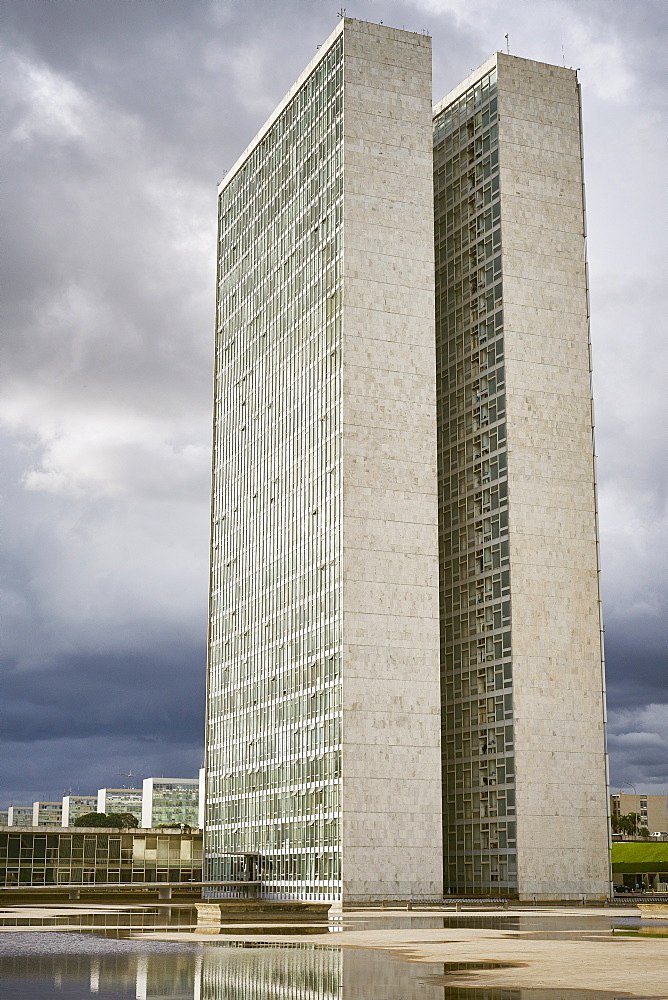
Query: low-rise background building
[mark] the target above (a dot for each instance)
(642, 867)
(120, 800)
(77, 805)
(54, 856)
(174, 801)
(170, 800)
(19, 816)
(47, 813)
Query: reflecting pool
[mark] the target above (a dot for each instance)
(72, 953)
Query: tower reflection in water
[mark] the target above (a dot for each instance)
(215, 972)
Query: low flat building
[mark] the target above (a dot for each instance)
(56, 857)
(19, 816)
(120, 800)
(170, 800)
(4, 818)
(47, 813)
(640, 866)
(77, 805)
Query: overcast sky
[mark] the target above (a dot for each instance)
(120, 117)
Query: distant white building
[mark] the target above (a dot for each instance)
(47, 813)
(170, 800)
(201, 811)
(19, 816)
(77, 805)
(120, 800)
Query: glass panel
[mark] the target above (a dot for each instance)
(274, 688)
(478, 768)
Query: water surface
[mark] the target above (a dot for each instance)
(79, 953)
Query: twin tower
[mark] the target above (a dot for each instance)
(405, 680)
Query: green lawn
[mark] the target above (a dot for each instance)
(634, 856)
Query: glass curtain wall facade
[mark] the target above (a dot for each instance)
(170, 801)
(47, 813)
(291, 972)
(477, 705)
(77, 805)
(55, 858)
(274, 685)
(20, 816)
(120, 800)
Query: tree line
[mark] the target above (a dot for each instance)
(630, 825)
(123, 821)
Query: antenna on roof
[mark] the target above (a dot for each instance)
(342, 13)
(507, 44)
(128, 774)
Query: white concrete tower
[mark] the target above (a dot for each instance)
(525, 802)
(323, 728)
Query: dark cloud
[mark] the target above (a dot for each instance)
(120, 119)
(637, 740)
(637, 672)
(156, 695)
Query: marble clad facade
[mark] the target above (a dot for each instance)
(339, 691)
(558, 680)
(524, 759)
